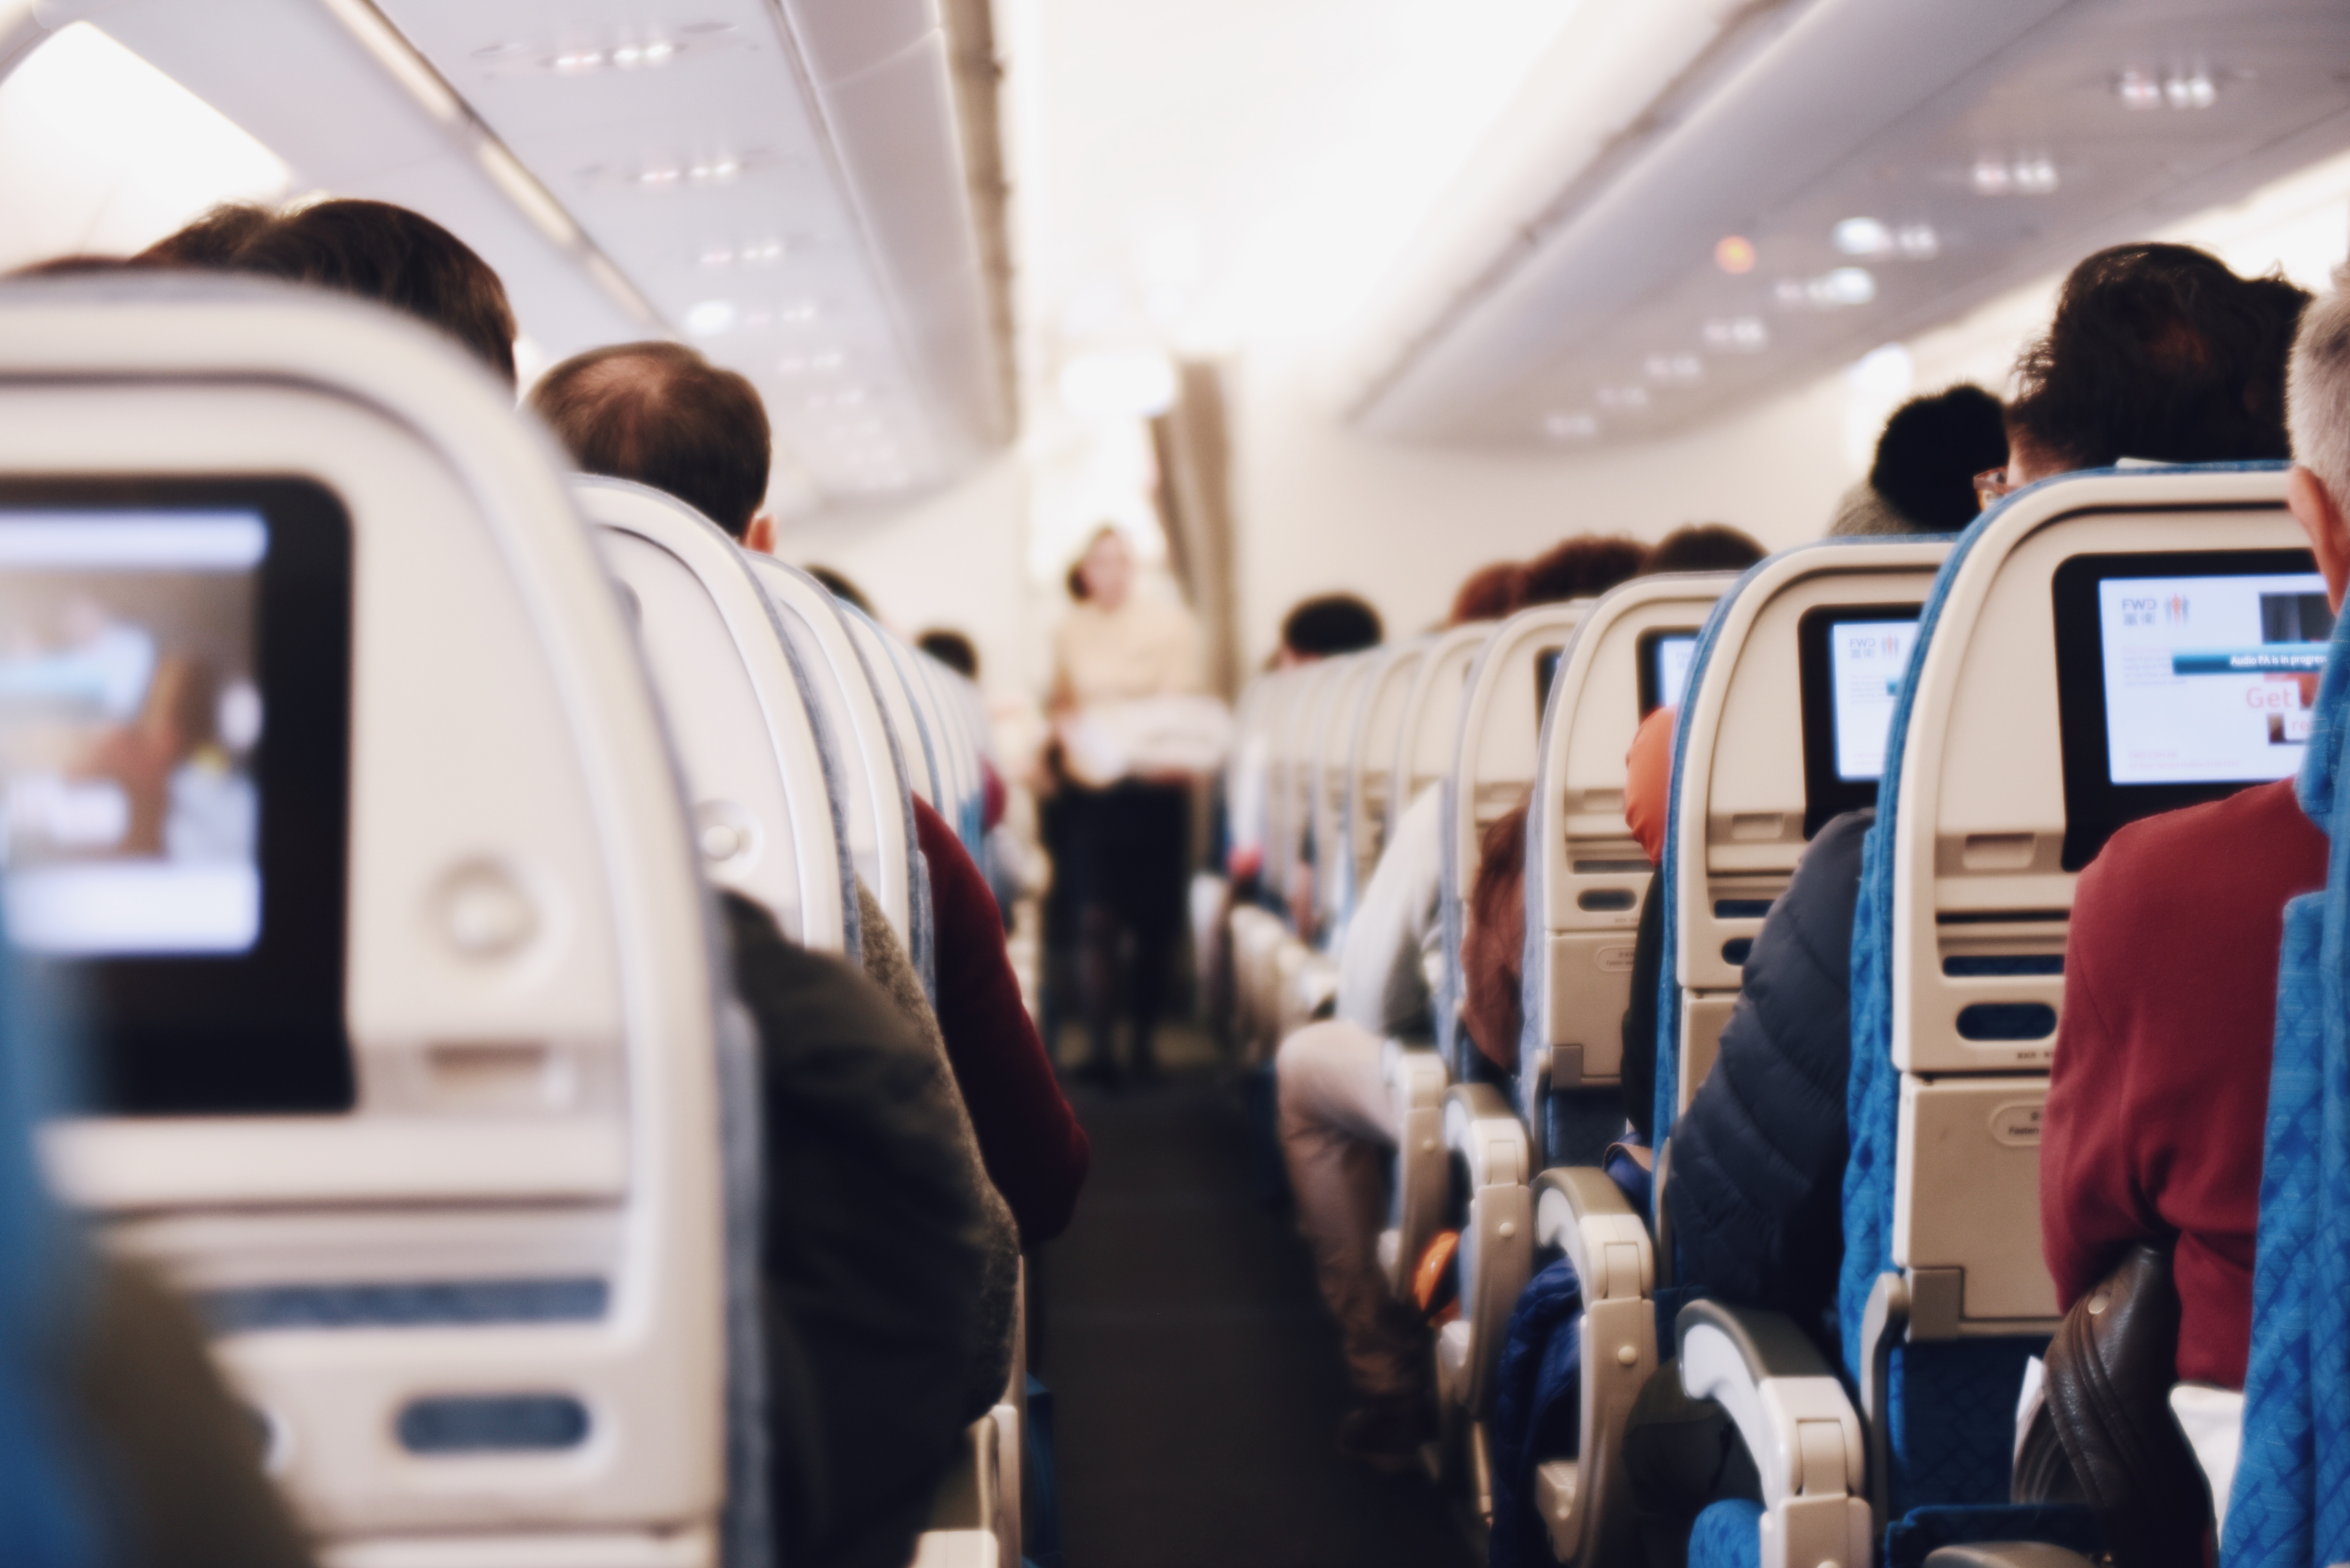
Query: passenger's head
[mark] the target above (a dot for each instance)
(1105, 569)
(2157, 352)
(1327, 626)
(2318, 406)
(1927, 458)
(1703, 547)
(1585, 565)
(1488, 593)
(951, 649)
(396, 257)
(213, 242)
(840, 587)
(662, 415)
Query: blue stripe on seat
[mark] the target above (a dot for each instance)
(414, 1304)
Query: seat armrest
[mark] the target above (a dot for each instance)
(1798, 1425)
(1582, 1212)
(1415, 1076)
(2005, 1554)
(1481, 1126)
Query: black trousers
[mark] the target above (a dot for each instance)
(1681, 1454)
(1127, 857)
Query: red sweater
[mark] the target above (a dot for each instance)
(2158, 1095)
(1036, 1152)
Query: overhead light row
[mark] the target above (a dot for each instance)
(715, 318)
(2189, 89)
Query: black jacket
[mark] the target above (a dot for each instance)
(1756, 1187)
(872, 1256)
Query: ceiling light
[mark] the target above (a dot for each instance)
(801, 364)
(1863, 237)
(717, 256)
(1918, 242)
(799, 313)
(1741, 334)
(847, 397)
(1674, 370)
(2191, 89)
(1734, 254)
(573, 62)
(710, 317)
(1837, 290)
(1132, 384)
(1623, 397)
(2031, 176)
(2137, 91)
(1570, 426)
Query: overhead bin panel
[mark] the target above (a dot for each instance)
(1710, 254)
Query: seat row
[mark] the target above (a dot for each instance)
(1975, 691)
(469, 1179)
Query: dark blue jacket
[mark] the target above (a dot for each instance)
(1756, 1185)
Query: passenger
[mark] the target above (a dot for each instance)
(2159, 1092)
(1923, 478)
(213, 242)
(891, 1327)
(1124, 844)
(1326, 626)
(837, 586)
(379, 252)
(660, 414)
(1338, 1122)
(1703, 547)
(1582, 568)
(2156, 352)
(951, 649)
(1488, 593)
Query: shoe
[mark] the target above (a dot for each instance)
(1386, 1433)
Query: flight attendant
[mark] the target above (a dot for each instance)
(1124, 840)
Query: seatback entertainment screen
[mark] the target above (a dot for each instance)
(1665, 659)
(1851, 660)
(2182, 676)
(174, 784)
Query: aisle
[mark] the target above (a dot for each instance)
(1198, 1379)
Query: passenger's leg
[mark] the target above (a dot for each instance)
(1146, 982)
(1338, 1134)
(1681, 1454)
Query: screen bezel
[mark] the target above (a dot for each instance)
(1646, 648)
(2095, 807)
(261, 1032)
(1826, 793)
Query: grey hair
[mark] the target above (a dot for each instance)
(2317, 390)
(1861, 513)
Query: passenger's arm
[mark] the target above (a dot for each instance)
(1758, 1160)
(873, 1257)
(2091, 1203)
(1036, 1152)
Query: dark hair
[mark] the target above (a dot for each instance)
(662, 415)
(2159, 352)
(213, 240)
(1330, 624)
(1704, 548)
(74, 267)
(840, 587)
(1076, 582)
(1488, 593)
(1931, 450)
(396, 257)
(1586, 565)
(951, 649)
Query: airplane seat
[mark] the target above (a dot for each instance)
(1426, 726)
(2004, 770)
(757, 757)
(877, 809)
(1366, 808)
(1333, 782)
(1586, 873)
(1493, 766)
(413, 1080)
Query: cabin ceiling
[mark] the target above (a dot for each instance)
(1963, 149)
(780, 183)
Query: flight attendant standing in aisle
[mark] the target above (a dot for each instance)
(1125, 822)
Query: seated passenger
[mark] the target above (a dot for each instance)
(2156, 351)
(661, 414)
(1923, 478)
(1337, 1121)
(2159, 1092)
(1326, 626)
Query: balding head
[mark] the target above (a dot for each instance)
(661, 414)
